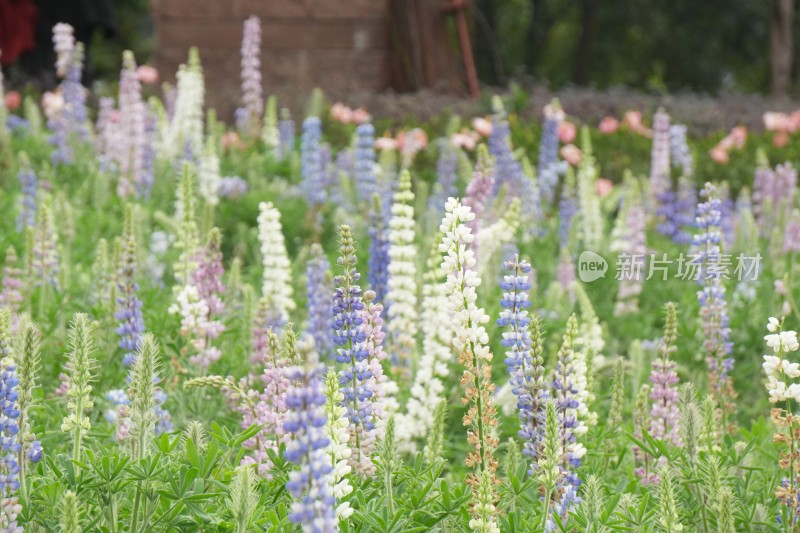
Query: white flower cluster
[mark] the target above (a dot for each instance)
(428, 389)
(462, 281)
(339, 448)
(401, 292)
(187, 122)
(776, 367)
(491, 240)
(197, 325)
(277, 287)
(208, 176)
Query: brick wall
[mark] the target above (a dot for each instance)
(340, 45)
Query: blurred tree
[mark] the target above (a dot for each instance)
(781, 45)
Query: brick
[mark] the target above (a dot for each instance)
(352, 9)
(194, 8)
(270, 8)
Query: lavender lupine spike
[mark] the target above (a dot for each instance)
(567, 387)
(479, 191)
(676, 211)
(129, 307)
(565, 274)
(106, 134)
(549, 168)
(349, 335)
(660, 181)
(12, 286)
(45, 249)
(27, 179)
(378, 262)
(633, 250)
(63, 45)
(522, 341)
(74, 112)
(311, 162)
(285, 135)
(249, 114)
(382, 403)
(567, 210)
(713, 307)
(680, 154)
(366, 181)
(446, 177)
(130, 146)
(664, 415)
(315, 507)
(147, 176)
(791, 235)
(773, 196)
(207, 277)
(10, 446)
(319, 288)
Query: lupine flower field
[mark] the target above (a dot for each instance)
(332, 323)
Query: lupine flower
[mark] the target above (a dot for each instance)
(187, 236)
(549, 168)
(64, 45)
(349, 335)
(270, 135)
(568, 385)
(478, 191)
(366, 182)
(27, 370)
(567, 209)
(232, 187)
(285, 135)
(668, 507)
(129, 307)
(591, 220)
(713, 313)
(664, 416)
(319, 288)
(471, 343)
(312, 168)
(276, 289)
(378, 262)
(680, 154)
(208, 178)
(523, 344)
(252, 95)
(338, 449)
(12, 286)
(28, 181)
(446, 177)
(142, 392)
(548, 467)
(402, 270)
(186, 126)
(565, 274)
(314, 509)
(791, 235)
(79, 368)
(382, 401)
(74, 111)
(491, 240)
(660, 181)
(435, 357)
(632, 248)
(129, 147)
(773, 196)
(676, 211)
(45, 249)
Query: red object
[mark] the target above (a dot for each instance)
(459, 7)
(17, 24)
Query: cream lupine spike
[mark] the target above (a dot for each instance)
(590, 219)
(208, 173)
(401, 295)
(339, 450)
(428, 388)
(492, 238)
(276, 290)
(471, 340)
(187, 122)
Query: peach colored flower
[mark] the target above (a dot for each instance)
(608, 125)
(776, 121)
(341, 113)
(571, 154)
(52, 103)
(719, 155)
(231, 140)
(482, 126)
(386, 143)
(360, 116)
(567, 132)
(780, 139)
(463, 140)
(13, 100)
(738, 136)
(553, 110)
(633, 120)
(147, 74)
(604, 186)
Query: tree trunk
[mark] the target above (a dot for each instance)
(781, 45)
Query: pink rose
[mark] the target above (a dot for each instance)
(482, 126)
(776, 121)
(780, 139)
(608, 125)
(571, 154)
(13, 100)
(386, 143)
(360, 116)
(341, 113)
(463, 140)
(147, 74)
(567, 132)
(719, 155)
(633, 120)
(738, 136)
(604, 187)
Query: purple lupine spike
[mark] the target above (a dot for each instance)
(129, 150)
(660, 181)
(773, 196)
(634, 250)
(676, 212)
(446, 178)
(11, 294)
(315, 503)
(680, 154)
(664, 415)
(232, 187)
(478, 192)
(791, 235)
(319, 290)
(27, 178)
(145, 185)
(106, 135)
(548, 168)
(311, 162)
(365, 179)
(9, 427)
(713, 307)
(249, 114)
(378, 262)
(568, 208)
(285, 135)
(129, 307)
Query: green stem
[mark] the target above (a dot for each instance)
(135, 513)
